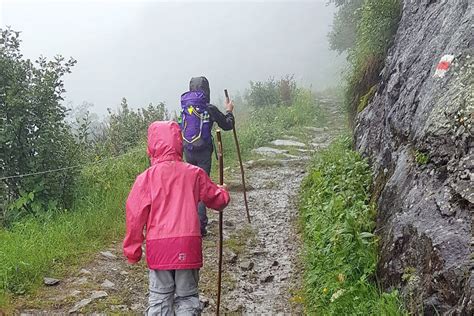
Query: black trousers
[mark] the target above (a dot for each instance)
(203, 160)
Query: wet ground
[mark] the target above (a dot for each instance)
(261, 273)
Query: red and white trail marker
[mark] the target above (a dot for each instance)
(443, 66)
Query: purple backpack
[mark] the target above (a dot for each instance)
(195, 121)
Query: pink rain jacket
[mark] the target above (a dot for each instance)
(165, 199)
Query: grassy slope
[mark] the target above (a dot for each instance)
(53, 244)
(341, 251)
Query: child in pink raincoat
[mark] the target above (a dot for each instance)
(164, 199)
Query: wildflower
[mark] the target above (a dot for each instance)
(325, 290)
(336, 295)
(341, 278)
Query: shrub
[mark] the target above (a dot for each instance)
(272, 92)
(34, 136)
(375, 23)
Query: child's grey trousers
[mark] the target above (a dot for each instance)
(174, 292)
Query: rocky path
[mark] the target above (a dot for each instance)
(262, 272)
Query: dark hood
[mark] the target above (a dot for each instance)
(201, 83)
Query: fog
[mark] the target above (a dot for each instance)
(147, 51)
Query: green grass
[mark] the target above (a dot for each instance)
(51, 244)
(340, 247)
(421, 158)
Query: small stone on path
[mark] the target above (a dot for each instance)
(80, 281)
(235, 308)
(50, 281)
(275, 263)
(267, 278)
(107, 284)
(246, 265)
(108, 255)
(287, 142)
(85, 272)
(230, 256)
(228, 223)
(98, 294)
(122, 308)
(80, 305)
(259, 252)
(123, 272)
(316, 129)
(205, 301)
(135, 307)
(75, 293)
(269, 151)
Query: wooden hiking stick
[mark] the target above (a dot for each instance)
(220, 156)
(240, 162)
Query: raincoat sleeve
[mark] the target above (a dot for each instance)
(225, 121)
(137, 209)
(210, 194)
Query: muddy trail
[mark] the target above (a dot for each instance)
(262, 267)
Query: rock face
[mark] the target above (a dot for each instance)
(418, 134)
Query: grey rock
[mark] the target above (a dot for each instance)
(51, 281)
(98, 294)
(424, 221)
(108, 255)
(267, 278)
(121, 308)
(316, 129)
(269, 151)
(246, 265)
(230, 256)
(235, 308)
(320, 145)
(275, 263)
(228, 223)
(291, 156)
(80, 281)
(75, 293)
(79, 305)
(287, 142)
(85, 272)
(107, 284)
(136, 307)
(206, 301)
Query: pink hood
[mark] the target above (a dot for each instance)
(164, 142)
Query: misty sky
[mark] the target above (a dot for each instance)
(147, 51)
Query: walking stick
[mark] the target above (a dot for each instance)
(221, 182)
(240, 162)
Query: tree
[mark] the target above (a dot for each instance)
(343, 35)
(272, 92)
(33, 134)
(126, 127)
